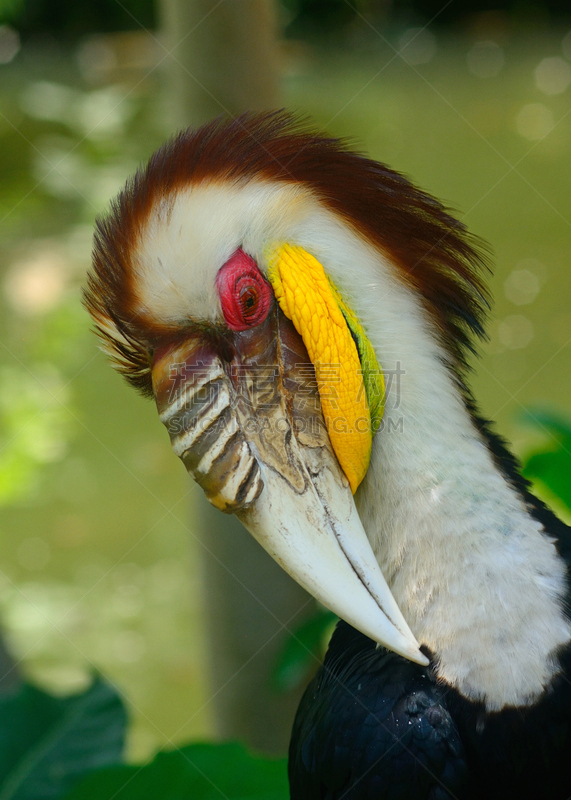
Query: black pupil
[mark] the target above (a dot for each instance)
(249, 300)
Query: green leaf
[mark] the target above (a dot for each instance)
(303, 650)
(551, 465)
(554, 470)
(193, 772)
(48, 743)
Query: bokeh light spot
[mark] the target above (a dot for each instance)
(36, 286)
(129, 646)
(521, 287)
(485, 59)
(515, 332)
(128, 600)
(9, 44)
(534, 121)
(47, 100)
(553, 75)
(417, 46)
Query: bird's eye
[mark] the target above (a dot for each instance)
(249, 300)
(245, 294)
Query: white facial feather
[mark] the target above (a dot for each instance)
(474, 575)
(187, 241)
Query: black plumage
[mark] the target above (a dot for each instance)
(373, 726)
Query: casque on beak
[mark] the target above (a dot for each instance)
(246, 420)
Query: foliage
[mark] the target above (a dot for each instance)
(71, 747)
(10, 10)
(551, 464)
(316, 18)
(67, 18)
(48, 743)
(197, 771)
(304, 18)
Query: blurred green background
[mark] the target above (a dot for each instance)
(98, 553)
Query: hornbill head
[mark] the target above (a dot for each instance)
(234, 280)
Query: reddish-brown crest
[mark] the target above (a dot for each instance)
(432, 250)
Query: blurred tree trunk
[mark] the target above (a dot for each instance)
(225, 61)
(247, 606)
(224, 57)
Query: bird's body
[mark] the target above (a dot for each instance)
(265, 284)
(373, 726)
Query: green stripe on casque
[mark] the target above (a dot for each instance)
(373, 378)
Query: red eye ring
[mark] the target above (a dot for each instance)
(245, 295)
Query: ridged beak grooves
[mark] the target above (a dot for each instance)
(249, 427)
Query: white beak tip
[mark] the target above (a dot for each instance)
(403, 645)
(418, 657)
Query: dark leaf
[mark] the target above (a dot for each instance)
(48, 743)
(194, 772)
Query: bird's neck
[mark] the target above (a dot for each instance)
(477, 578)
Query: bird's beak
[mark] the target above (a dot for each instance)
(249, 428)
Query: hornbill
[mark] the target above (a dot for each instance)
(302, 316)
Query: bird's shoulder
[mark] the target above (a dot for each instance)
(373, 726)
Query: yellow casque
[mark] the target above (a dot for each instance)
(350, 382)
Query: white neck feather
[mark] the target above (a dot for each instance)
(474, 574)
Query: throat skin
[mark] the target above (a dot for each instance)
(476, 576)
